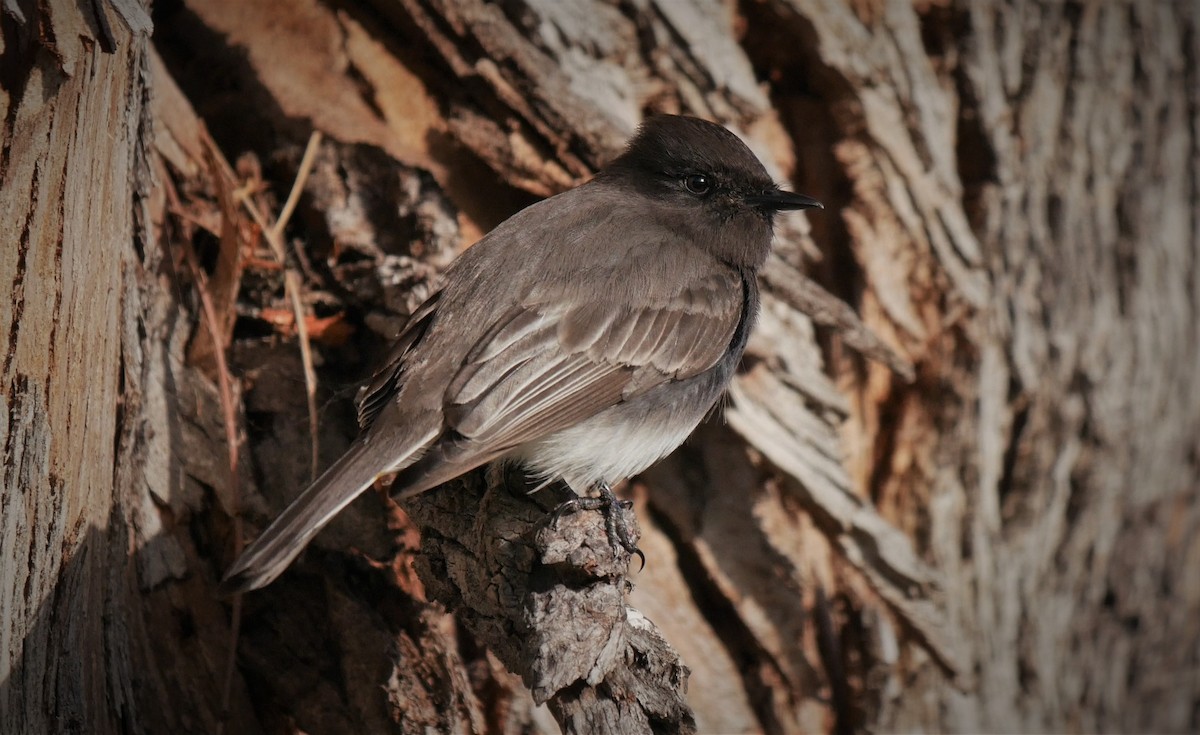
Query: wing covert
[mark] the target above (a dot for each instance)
(546, 366)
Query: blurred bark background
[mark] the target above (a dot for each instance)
(1009, 541)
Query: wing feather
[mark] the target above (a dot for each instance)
(578, 389)
(385, 383)
(545, 367)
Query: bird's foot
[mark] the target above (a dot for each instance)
(615, 520)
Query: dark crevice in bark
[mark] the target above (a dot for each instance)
(17, 290)
(220, 82)
(974, 155)
(807, 95)
(737, 639)
(833, 657)
(1012, 483)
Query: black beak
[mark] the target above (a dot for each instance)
(778, 200)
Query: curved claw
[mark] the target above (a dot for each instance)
(567, 506)
(641, 558)
(614, 522)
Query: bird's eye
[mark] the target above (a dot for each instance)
(698, 183)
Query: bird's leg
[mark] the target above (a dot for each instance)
(614, 517)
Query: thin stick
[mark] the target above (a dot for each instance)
(291, 282)
(293, 285)
(306, 164)
(229, 416)
(230, 419)
(828, 310)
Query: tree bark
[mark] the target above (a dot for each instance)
(71, 172)
(976, 512)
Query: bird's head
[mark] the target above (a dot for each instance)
(705, 181)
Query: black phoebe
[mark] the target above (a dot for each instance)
(585, 337)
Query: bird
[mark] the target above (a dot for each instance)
(585, 337)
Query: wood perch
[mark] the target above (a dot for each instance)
(548, 599)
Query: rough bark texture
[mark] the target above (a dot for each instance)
(72, 103)
(979, 514)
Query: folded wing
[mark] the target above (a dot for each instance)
(546, 366)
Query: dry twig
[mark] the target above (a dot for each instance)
(229, 416)
(292, 283)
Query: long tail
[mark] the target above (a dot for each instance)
(286, 537)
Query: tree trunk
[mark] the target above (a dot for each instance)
(71, 173)
(977, 513)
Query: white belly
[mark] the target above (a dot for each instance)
(608, 447)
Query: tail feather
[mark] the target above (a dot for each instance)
(286, 537)
(442, 463)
